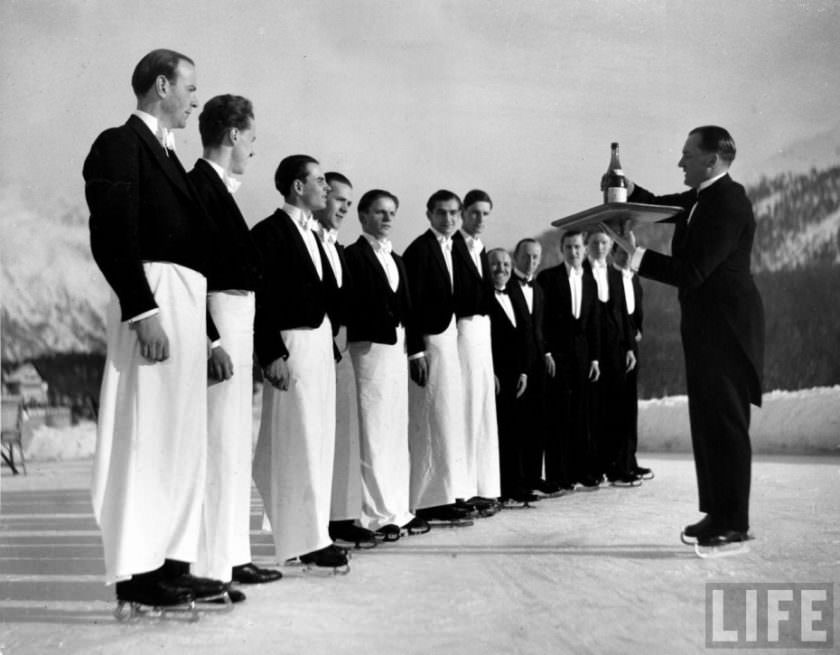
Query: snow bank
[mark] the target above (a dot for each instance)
(791, 422)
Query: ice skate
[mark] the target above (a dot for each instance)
(643, 473)
(725, 544)
(589, 483)
(549, 489)
(331, 557)
(691, 533)
(156, 600)
(389, 532)
(483, 507)
(522, 500)
(350, 534)
(417, 526)
(628, 480)
(446, 515)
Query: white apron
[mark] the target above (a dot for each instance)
(149, 466)
(436, 426)
(482, 432)
(381, 375)
(225, 530)
(293, 459)
(347, 474)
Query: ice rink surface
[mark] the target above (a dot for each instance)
(592, 572)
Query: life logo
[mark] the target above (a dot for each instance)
(770, 615)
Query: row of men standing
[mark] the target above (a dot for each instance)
(173, 466)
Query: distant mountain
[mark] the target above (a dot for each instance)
(817, 152)
(52, 296)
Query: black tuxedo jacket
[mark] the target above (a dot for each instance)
(432, 299)
(142, 208)
(616, 338)
(473, 290)
(534, 320)
(571, 341)
(511, 355)
(710, 266)
(235, 263)
(375, 310)
(290, 295)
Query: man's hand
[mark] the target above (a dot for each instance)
(594, 371)
(629, 361)
(627, 242)
(419, 370)
(521, 385)
(219, 365)
(154, 344)
(638, 336)
(277, 374)
(550, 366)
(497, 384)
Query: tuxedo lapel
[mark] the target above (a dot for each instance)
(437, 255)
(169, 164)
(367, 250)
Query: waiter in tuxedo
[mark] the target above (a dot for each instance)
(510, 362)
(436, 395)
(228, 132)
(346, 504)
(379, 310)
(473, 288)
(293, 338)
(722, 325)
(572, 333)
(148, 237)
(527, 256)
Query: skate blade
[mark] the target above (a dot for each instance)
(326, 571)
(518, 505)
(626, 485)
(688, 541)
(457, 523)
(358, 545)
(131, 611)
(647, 476)
(726, 550)
(218, 603)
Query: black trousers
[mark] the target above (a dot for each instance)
(532, 415)
(513, 438)
(718, 383)
(569, 453)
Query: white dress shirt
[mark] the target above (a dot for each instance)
(162, 134)
(305, 223)
(503, 299)
(382, 249)
(445, 243)
(231, 184)
(474, 247)
(328, 239)
(526, 284)
(627, 283)
(576, 286)
(599, 272)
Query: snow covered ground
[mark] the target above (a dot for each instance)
(794, 422)
(600, 572)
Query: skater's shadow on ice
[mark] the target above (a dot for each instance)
(624, 551)
(28, 614)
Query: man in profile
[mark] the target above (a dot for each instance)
(722, 325)
(148, 237)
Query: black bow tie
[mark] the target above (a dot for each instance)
(524, 282)
(501, 292)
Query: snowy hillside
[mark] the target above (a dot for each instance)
(52, 294)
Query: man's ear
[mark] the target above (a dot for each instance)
(161, 85)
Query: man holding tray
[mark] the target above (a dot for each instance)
(722, 325)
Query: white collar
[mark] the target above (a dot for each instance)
(161, 133)
(571, 270)
(378, 244)
(442, 238)
(230, 183)
(328, 235)
(303, 219)
(705, 184)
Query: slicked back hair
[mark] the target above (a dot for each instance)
(149, 68)
(291, 168)
(333, 176)
(372, 196)
(716, 139)
(568, 234)
(504, 250)
(522, 242)
(441, 195)
(477, 195)
(220, 114)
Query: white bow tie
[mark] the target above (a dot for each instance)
(232, 185)
(384, 245)
(475, 244)
(306, 223)
(328, 236)
(167, 138)
(575, 272)
(446, 242)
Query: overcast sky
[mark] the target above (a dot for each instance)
(520, 98)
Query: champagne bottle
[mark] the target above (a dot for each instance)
(615, 185)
